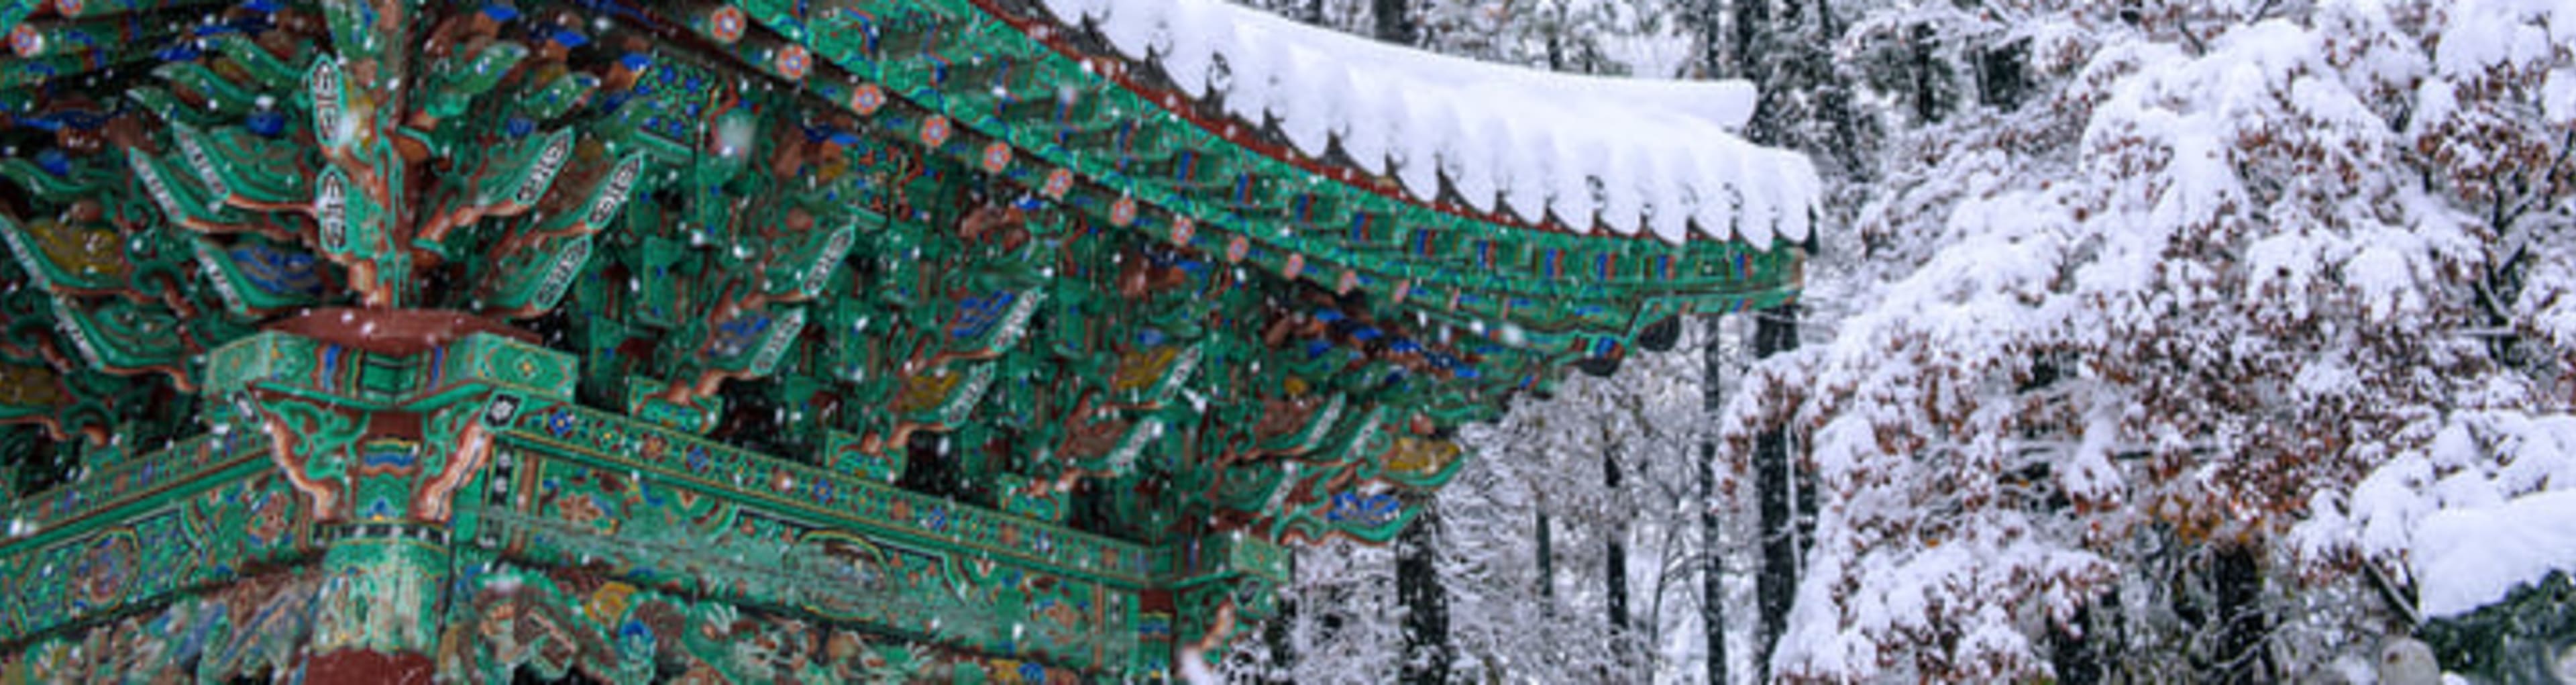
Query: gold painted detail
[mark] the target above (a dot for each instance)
(30, 386)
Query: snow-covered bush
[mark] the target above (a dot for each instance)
(2102, 367)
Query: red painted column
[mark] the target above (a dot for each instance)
(356, 666)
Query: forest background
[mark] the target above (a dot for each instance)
(2143, 341)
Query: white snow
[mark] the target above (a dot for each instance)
(2465, 558)
(1194, 668)
(2486, 34)
(1659, 155)
(2558, 96)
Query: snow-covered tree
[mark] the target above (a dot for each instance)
(2092, 389)
(1553, 618)
(1524, 540)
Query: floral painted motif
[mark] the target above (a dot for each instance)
(793, 61)
(997, 156)
(1058, 182)
(1123, 212)
(867, 98)
(25, 41)
(934, 131)
(727, 24)
(105, 568)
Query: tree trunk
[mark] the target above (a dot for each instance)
(1712, 578)
(2073, 653)
(1928, 105)
(1426, 604)
(1752, 43)
(1999, 74)
(1393, 21)
(1281, 634)
(1546, 567)
(1775, 331)
(1618, 556)
(2236, 576)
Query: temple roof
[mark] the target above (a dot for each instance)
(1492, 137)
(1089, 243)
(947, 272)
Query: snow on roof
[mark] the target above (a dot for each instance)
(1639, 154)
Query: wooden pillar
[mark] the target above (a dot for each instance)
(378, 417)
(377, 619)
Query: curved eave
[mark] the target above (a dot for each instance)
(989, 82)
(974, 81)
(1517, 147)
